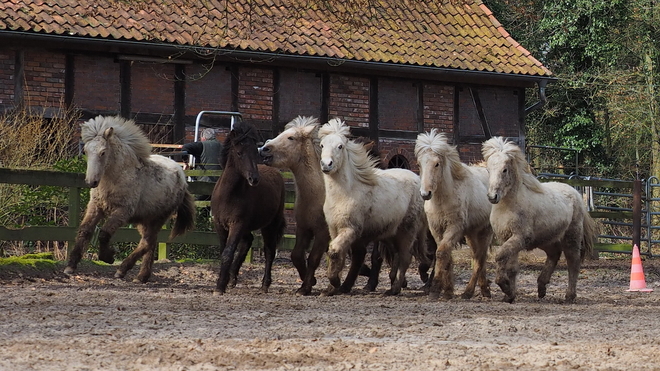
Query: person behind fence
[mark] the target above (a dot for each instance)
(206, 152)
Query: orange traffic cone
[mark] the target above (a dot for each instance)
(637, 281)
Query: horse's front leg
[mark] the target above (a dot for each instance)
(298, 258)
(443, 279)
(92, 217)
(150, 235)
(319, 247)
(233, 237)
(506, 261)
(358, 252)
(336, 259)
(573, 262)
(243, 248)
(118, 217)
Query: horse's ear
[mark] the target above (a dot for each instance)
(108, 132)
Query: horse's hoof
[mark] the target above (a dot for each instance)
(232, 283)
(467, 295)
(508, 299)
(344, 290)
(371, 287)
(264, 289)
(139, 279)
(330, 291)
(303, 291)
(218, 292)
(542, 292)
(69, 271)
(570, 299)
(434, 296)
(120, 274)
(391, 292)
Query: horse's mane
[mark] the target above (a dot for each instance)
(239, 132)
(436, 142)
(511, 150)
(303, 122)
(125, 130)
(363, 164)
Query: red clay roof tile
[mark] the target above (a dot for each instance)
(440, 34)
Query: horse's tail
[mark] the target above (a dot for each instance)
(589, 234)
(185, 216)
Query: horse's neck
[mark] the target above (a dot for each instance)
(308, 179)
(122, 160)
(340, 183)
(231, 178)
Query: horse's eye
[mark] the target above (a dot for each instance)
(290, 138)
(321, 145)
(102, 153)
(438, 164)
(505, 171)
(341, 146)
(239, 154)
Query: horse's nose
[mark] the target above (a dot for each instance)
(264, 150)
(494, 198)
(426, 195)
(253, 180)
(326, 166)
(93, 183)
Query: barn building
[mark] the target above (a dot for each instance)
(390, 69)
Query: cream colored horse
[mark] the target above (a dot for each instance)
(456, 206)
(364, 203)
(528, 214)
(129, 185)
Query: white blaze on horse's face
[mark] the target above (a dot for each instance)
(500, 177)
(332, 153)
(97, 158)
(430, 170)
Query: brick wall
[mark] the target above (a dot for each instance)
(255, 95)
(389, 148)
(439, 108)
(152, 88)
(470, 153)
(349, 99)
(96, 83)
(7, 77)
(207, 90)
(44, 78)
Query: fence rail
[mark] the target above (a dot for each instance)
(76, 183)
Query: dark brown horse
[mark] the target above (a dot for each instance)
(247, 197)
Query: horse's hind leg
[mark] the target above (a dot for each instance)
(401, 264)
(271, 238)
(376, 264)
(553, 254)
(92, 217)
(148, 239)
(573, 262)
(243, 248)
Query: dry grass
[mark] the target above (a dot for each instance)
(30, 140)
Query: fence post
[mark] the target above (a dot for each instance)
(637, 213)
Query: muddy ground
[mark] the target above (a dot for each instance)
(94, 322)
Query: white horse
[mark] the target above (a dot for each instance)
(297, 149)
(364, 203)
(528, 214)
(456, 207)
(129, 185)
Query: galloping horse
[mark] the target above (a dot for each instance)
(129, 185)
(248, 196)
(297, 149)
(528, 214)
(364, 203)
(456, 207)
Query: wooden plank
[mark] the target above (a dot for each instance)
(591, 183)
(614, 215)
(42, 177)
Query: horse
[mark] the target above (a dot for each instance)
(528, 214)
(456, 206)
(129, 185)
(364, 203)
(248, 196)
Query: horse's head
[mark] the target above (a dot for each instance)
(241, 152)
(334, 138)
(502, 158)
(298, 141)
(438, 162)
(98, 156)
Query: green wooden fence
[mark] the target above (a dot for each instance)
(75, 182)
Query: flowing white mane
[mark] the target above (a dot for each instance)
(364, 166)
(126, 131)
(437, 143)
(513, 153)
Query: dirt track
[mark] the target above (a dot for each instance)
(94, 322)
